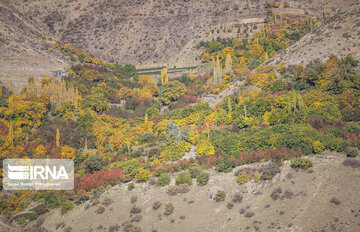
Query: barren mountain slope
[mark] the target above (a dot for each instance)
(305, 203)
(23, 53)
(151, 33)
(339, 36)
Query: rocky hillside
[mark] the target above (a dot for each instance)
(23, 53)
(317, 199)
(151, 33)
(339, 35)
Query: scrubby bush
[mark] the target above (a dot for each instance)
(143, 175)
(183, 178)
(230, 205)
(288, 194)
(156, 205)
(67, 206)
(202, 178)
(276, 193)
(164, 179)
(53, 200)
(172, 191)
(133, 199)
(136, 218)
(257, 177)
(169, 209)
(100, 209)
(249, 214)
(152, 181)
(351, 152)
(134, 209)
(266, 176)
(237, 198)
(318, 147)
(107, 201)
(113, 228)
(194, 170)
(220, 196)
(131, 186)
(301, 163)
(94, 163)
(242, 178)
(352, 163)
(335, 201)
(183, 188)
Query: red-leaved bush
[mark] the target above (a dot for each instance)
(99, 178)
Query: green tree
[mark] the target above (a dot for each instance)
(94, 163)
(183, 178)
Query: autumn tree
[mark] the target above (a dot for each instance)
(164, 76)
(172, 91)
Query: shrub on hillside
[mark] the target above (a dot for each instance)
(100, 210)
(169, 209)
(237, 198)
(318, 147)
(220, 196)
(134, 209)
(249, 214)
(194, 170)
(202, 178)
(183, 188)
(301, 163)
(164, 179)
(156, 205)
(53, 200)
(351, 152)
(184, 178)
(352, 163)
(100, 178)
(131, 186)
(66, 206)
(335, 201)
(143, 175)
(242, 178)
(172, 191)
(276, 193)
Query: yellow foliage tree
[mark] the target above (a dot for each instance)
(40, 152)
(67, 152)
(143, 175)
(204, 147)
(57, 137)
(206, 57)
(164, 76)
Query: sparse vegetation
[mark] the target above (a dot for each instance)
(276, 193)
(335, 201)
(134, 209)
(169, 208)
(156, 205)
(67, 206)
(237, 198)
(242, 178)
(249, 213)
(131, 186)
(100, 209)
(301, 163)
(220, 196)
(163, 180)
(183, 178)
(202, 178)
(352, 163)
